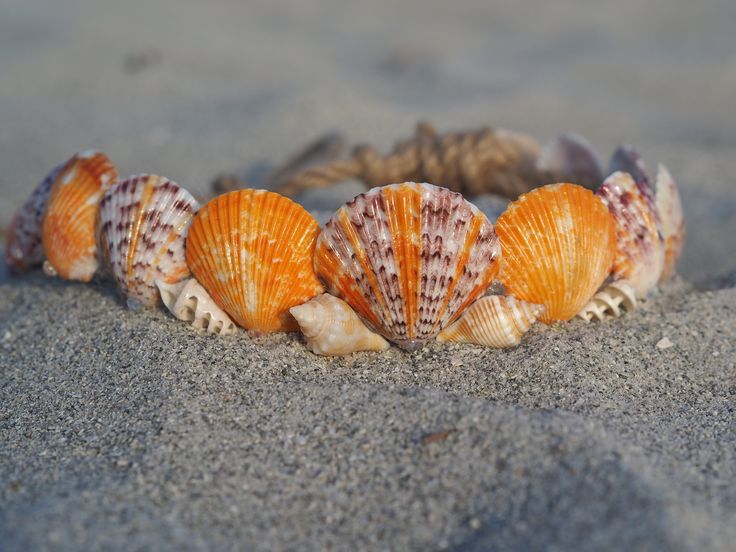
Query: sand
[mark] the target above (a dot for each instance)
(123, 430)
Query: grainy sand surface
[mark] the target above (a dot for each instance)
(122, 430)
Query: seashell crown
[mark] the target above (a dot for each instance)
(403, 263)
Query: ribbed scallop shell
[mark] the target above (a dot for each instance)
(252, 251)
(70, 222)
(408, 258)
(189, 301)
(494, 321)
(144, 222)
(24, 247)
(558, 245)
(331, 327)
(672, 220)
(639, 247)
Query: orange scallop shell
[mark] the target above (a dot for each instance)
(70, 223)
(558, 244)
(252, 251)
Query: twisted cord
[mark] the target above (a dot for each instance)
(472, 162)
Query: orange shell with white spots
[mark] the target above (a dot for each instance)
(408, 258)
(252, 251)
(558, 246)
(69, 230)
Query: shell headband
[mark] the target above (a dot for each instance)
(401, 263)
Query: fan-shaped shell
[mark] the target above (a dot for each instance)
(144, 222)
(190, 302)
(494, 321)
(252, 251)
(331, 327)
(672, 220)
(639, 247)
(24, 247)
(558, 244)
(70, 222)
(408, 258)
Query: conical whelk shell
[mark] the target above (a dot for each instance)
(672, 220)
(24, 247)
(252, 251)
(494, 321)
(144, 222)
(70, 222)
(558, 244)
(331, 327)
(408, 258)
(610, 302)
(189, 301)
(639, 248)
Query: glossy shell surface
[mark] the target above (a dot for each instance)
(558, 246)
(69, 229)
(408, 258)
(144, 222)
(252, 251)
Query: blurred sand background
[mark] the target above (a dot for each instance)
(129, 431)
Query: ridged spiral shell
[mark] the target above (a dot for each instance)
(494, 321)
(189, 301)
(408, 258)
(331, 327)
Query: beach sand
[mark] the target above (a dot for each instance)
(128, 430)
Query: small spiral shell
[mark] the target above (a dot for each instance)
(331, 327)
(610, 302)
(190, 302)
(494, 321)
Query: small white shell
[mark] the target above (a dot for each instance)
(188, 301)
(331, 327)
(610, 302)
(494, 321)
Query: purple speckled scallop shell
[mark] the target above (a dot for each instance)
(144, 222)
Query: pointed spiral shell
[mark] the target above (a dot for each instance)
(494, 321)
(331, 327)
